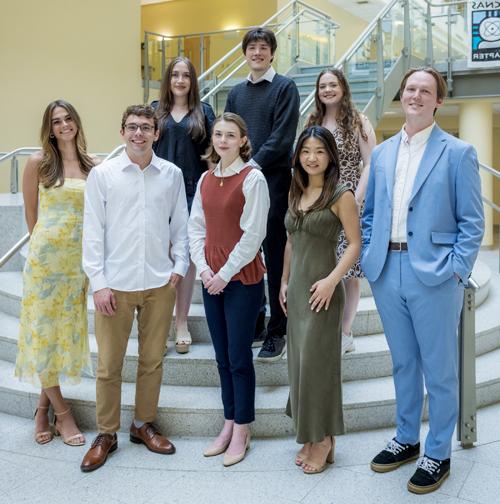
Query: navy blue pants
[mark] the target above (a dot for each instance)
(231, 318)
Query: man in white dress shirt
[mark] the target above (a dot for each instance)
(422, 228)
(135, 250)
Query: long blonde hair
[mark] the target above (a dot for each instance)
(51, 169)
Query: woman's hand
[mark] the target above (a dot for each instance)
(206, 276)
(283, 292)
(215, 285)
(322, 292)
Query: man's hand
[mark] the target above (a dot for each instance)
(215, 285)
(175, 278)
(105, 302)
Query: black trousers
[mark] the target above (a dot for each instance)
(274, 249)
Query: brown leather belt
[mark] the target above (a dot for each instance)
(398, 246)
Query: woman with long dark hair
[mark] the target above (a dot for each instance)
(312, 293)
(355, 141)
(185, 127)
(53, 340)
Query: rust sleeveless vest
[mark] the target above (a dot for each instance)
(223, 206)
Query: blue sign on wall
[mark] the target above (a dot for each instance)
(484, 36)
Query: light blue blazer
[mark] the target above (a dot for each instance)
(445, 222)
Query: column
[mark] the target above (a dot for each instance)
(475, 125)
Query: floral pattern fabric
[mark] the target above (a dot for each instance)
(53, 340)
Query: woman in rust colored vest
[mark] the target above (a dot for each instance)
(226, 229)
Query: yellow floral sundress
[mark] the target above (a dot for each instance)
(53, 340)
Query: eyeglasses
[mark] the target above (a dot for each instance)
(133, 127)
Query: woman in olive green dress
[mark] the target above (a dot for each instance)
(312, 294)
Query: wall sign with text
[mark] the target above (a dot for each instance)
(484, 36)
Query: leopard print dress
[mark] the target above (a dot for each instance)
(350, 160)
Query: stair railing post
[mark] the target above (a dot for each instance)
(163, 62)
(14, 175)
(146, 69)
(202, 54)
(466, 425)
(296, 47)
(449, 60)
(429, 57)
(379, 93)
(406, 34)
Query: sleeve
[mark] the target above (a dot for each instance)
(197, 231)
(469, 214)
(178, 228)
(367, 218)
(94, 220)
(253, 222)
(209, 118)
(286, 118)
(229, 102)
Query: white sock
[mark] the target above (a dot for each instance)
(138, 423)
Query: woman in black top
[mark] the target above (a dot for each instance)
(185, 128)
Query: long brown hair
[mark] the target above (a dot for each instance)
(51, 169)
(245, 149)
(196, 118)
(348, 117)
(300, 179)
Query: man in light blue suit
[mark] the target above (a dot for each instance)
(422, 228)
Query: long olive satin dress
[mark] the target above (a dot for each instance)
(314, 339)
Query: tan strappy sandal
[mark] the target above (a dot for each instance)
(316, 468)
(183, 340)
(70, 440)
(43, 437)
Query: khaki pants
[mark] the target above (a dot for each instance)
(154, 315)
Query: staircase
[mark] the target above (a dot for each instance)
(190, 403)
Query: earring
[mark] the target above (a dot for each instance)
(51, 135)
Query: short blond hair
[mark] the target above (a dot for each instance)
(442, 88)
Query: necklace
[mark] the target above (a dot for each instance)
(221, 183)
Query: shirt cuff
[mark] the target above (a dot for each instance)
(254, 164)
(98, 282)
(225, 275)
(181, 268)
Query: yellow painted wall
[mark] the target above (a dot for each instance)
(85, 52)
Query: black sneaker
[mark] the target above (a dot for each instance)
(259, 339)
(429, 475)
(394, 455)
(272, 350)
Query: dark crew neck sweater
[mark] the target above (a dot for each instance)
(271, 111)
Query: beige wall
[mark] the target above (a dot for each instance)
(85, 52)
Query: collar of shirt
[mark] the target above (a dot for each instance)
(268, 76)
(418, 138)
(233, 169)
(125, 162)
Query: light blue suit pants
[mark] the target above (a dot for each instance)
(420, 325)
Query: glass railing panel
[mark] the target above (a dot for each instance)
(418, 20)
(316, 40)
(392, 35)
(459, 31)
(439, 34)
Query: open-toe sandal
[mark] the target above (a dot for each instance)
(43, 437)
(75, 439)
(182, 340)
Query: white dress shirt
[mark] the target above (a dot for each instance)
(268, 76)
(134, 225)
(253, 222)
(409, 157)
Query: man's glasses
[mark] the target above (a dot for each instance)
(133, 127)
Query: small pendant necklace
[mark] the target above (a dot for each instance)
(221, 183)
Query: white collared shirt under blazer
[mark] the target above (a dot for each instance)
(135, 225)
(411, 151)
(253, 221)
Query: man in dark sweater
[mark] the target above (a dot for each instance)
(269, 104)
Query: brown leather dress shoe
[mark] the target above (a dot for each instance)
(149, 435)
(103, 445)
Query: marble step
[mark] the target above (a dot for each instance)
(367, 319)
(197, 411)
(197, 368)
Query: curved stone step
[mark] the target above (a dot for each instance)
(197, 411)
(370, 360)
(367, 319)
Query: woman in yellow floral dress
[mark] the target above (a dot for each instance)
(53, 340)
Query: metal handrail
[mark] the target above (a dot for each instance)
(490, 170)
(25, 239)
(265, 23)
(223, 81)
